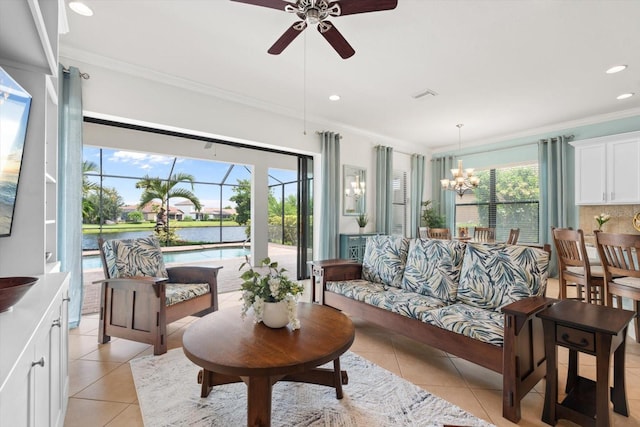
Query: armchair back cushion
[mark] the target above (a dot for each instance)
(433, 268)
(384, 259)
(494, 275)
(134, 257)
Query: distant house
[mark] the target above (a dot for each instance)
(150, 212)
(211, 213)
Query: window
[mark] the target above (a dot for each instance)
(399, 203)
(507, 198)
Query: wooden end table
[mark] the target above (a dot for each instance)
(592, 329)
(233, 350)
(320, 269)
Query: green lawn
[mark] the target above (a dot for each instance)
(126, 226)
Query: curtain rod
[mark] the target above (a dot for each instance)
(524, 144)
(320, 132)
(396, 151)
(85, 76)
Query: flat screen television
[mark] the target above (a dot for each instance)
(15, 104)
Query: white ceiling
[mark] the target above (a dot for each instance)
(503, 68)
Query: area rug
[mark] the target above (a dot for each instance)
(169, 395)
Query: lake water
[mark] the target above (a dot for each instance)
(93, 261)
(192, 234)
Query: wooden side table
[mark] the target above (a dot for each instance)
(592, 329)
(321, 269)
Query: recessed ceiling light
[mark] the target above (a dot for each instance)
(80, 8)
(616, 69)
(334, 97)
(625, 96)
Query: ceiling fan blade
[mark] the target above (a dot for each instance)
(274, 4)
(288, 36)
(349, 7)
(335, 39)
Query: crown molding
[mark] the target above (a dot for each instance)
(111, 64)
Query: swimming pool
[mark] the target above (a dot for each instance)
(93, 261)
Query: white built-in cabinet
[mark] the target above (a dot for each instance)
(608, 170)
(34, 376)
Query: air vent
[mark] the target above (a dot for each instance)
(423, 93)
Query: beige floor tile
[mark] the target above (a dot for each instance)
(387, 361)
(531, 407)
(476, 376)
(83, 412)
(116, 386)
(88, 326)
(130, 417)
(83, 373)
(81, 345)
(408, 346)
(117, 350)
(439, 371)
(367, 342)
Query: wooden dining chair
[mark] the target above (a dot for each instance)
(439, 233)
(620, 257)
(514, 233)
(484, 234)
(574, 267)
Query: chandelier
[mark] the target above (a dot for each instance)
(464, 181)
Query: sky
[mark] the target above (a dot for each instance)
(135, 165)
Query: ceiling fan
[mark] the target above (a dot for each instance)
(313, 12)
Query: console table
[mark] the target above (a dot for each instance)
(592, 329)
(352, 246)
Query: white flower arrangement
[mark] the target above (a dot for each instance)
(602, 219)
(273, 286)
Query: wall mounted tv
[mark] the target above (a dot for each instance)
(15, 103)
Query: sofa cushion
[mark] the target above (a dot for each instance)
(178, 292)
(473, 322)
(362, 290)
(134, 257)
(433, 268)
(384, 259)
(409, 304)
(494, 275)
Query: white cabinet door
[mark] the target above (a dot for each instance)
(624, 171)
(591, 174)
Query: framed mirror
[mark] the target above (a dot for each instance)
(354, 190)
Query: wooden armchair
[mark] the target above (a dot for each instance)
(140, 297)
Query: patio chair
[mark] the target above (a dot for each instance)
(140, 297)
(620, 256)
(574, 267)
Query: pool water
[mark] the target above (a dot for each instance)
(93, 261)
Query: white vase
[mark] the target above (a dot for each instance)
(275, 314)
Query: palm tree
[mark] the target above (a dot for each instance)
(156, 188)
(88, 208)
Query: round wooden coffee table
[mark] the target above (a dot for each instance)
(232, 350)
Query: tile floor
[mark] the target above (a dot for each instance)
(102, 392)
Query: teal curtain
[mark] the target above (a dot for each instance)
(329, 219)
(442, 201)
(384, 189)
(557, 189)
(417, 188)
(70, 186)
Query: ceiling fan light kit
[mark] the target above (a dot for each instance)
(317, 12)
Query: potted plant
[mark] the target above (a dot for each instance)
(362, 221)
(272, 295)
(431, 217)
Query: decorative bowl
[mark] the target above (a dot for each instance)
(12, 289)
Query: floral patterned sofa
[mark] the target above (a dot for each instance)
(475, 300)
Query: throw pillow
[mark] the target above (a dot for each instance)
(384, 259)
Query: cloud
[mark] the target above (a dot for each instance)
(142, 160)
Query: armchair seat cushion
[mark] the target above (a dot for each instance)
(178, 292)
(474, 322)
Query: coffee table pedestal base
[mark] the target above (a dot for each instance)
(259, 388)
